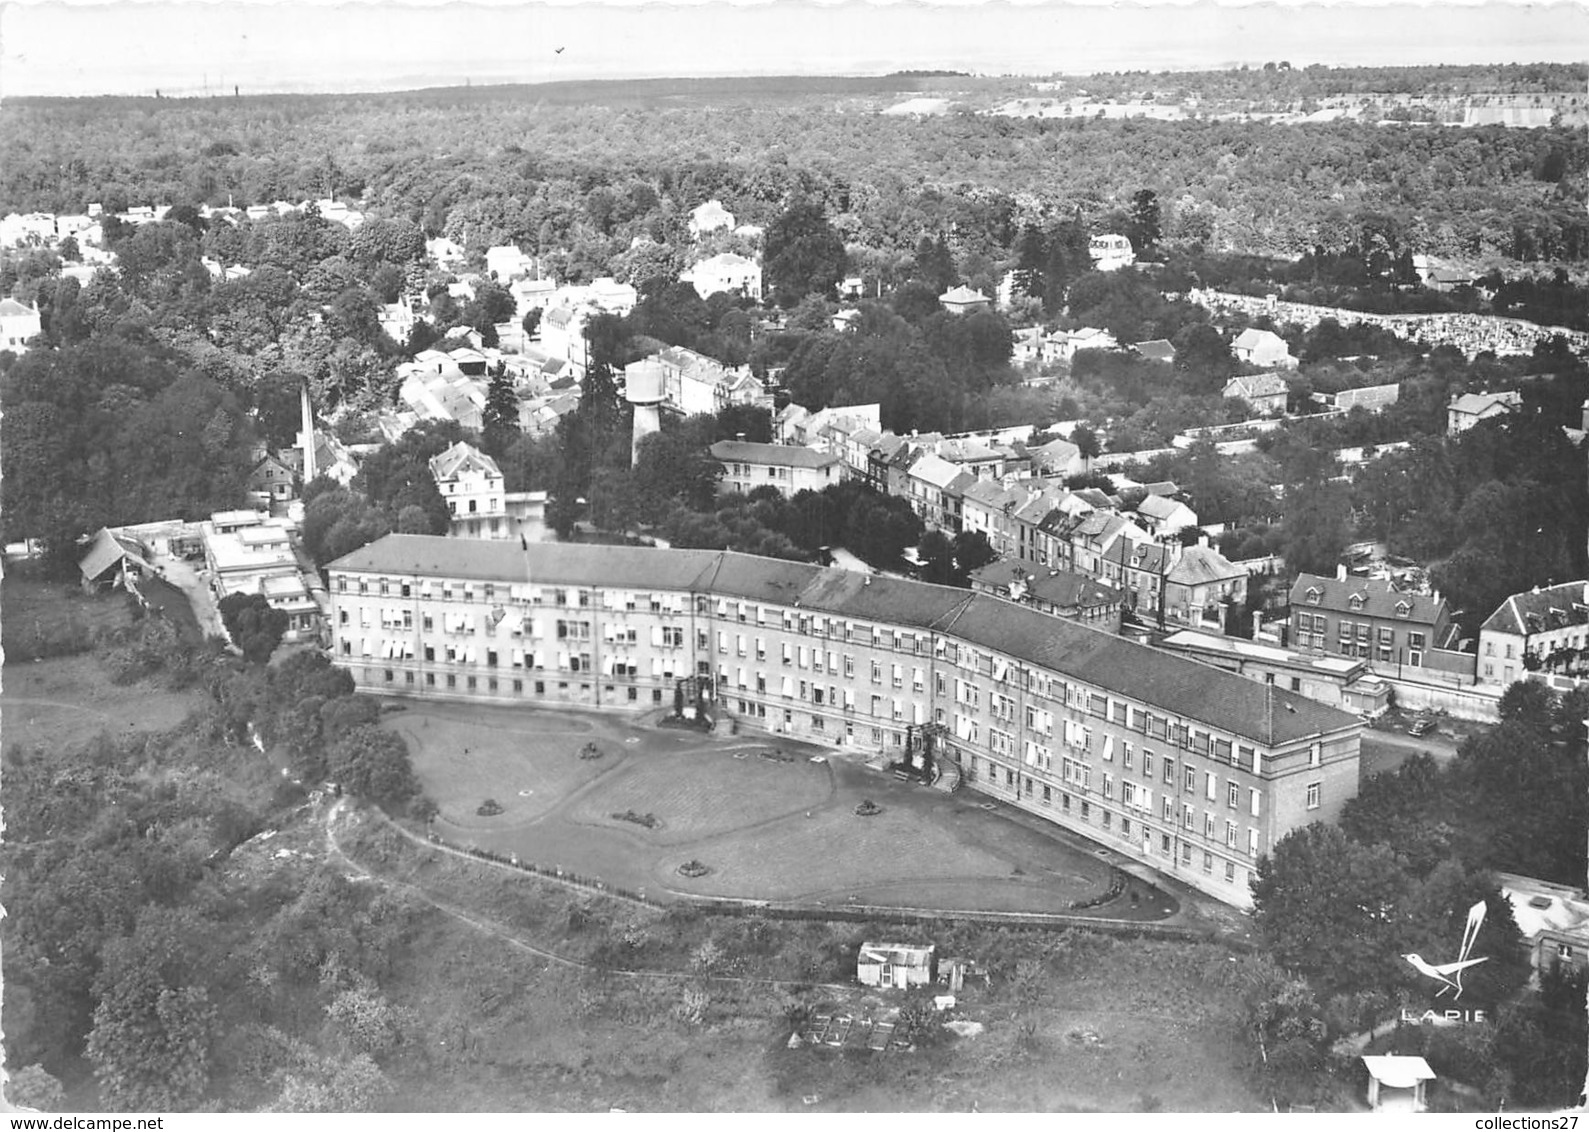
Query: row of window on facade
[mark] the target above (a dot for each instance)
(1357, 639)
(1025, 789)
(1002, 707)
(517, 685)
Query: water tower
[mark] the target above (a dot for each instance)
(642, 388)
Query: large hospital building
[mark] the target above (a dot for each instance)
(1184, 767)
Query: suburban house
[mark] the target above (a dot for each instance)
(1162, 516)
(1341, 682)
(963, 300)
(934, 487)
(1262, 348)
(1172, 764)
(1087, 538)
(1368, 618)
(725, 272)
(273, 479)
(563, 336)
(446, 253)
(710, 217)
(693, 383)
(1553, 920)
(507, 263)
(1203, 588)
(1138, 568)
(1265, 393)
(1059, 457)
(18, 323)
(789, 468)
(472, 485)
(894, 965)
(846, 319)
(1063, 345)
(1544, 630)
(989, 507)
(1059, 593)
(1469, 409)
(531, 294)
(976, 455)
(1110, 252)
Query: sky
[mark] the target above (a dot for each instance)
(193, 46)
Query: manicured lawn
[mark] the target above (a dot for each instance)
(704, 793)
(766, 829)
(465, 757)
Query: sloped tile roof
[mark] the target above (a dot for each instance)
(1554, 607)
(782, 455)
(1221, 700)
(1379, 599)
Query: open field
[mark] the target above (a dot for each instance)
(71, 698)
(55, 618)
(766, 828)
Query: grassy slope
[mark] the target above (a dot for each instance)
(1118, 1024)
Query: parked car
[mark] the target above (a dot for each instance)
(1422, 727)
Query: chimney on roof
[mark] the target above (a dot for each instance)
(1340, 571)
(739, 436)
(1202, 541)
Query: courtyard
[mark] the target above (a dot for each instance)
(769, 819)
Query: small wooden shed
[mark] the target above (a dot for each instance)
(895, 964)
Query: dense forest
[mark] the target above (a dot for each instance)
(506, 165)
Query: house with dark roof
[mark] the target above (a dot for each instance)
(1265, 393)
(1058, 593)
(273, 479)
(1203, 588)
(1173, 764)
(790, 468)
(1543, 630)
(474, 488)
(1368, 618)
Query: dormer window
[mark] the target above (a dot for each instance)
(1356, 602)
(1403, 609)
(1313, 595)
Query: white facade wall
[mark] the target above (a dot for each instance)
(1168, 792)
